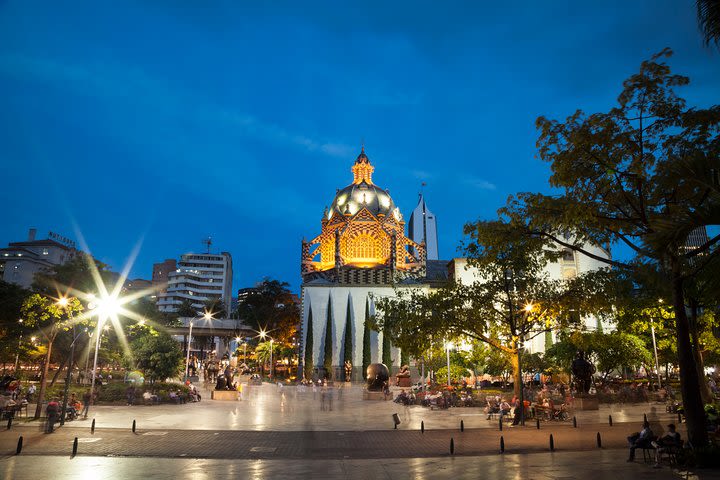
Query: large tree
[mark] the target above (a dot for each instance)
(512, 301)
(49, 317)
(157, 355)
(271, 307)
(367, 351)
(643, 175)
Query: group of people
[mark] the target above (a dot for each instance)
(646, 439)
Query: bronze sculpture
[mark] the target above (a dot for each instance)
(582, 371)
(377, 377)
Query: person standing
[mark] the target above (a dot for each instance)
(52, 411)
(86, 403)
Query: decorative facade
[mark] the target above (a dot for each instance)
(362, 237)
(361, 254)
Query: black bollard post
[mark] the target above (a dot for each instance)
(92, 426)
(502, 444)
(552, 443)
(610, 419)
(10, 417)
(574, 422)
(422, 426)
(19, 446)
(133, 427)
(75, 443)
(537, 422)
(452, 446)
(679, 417)
(500, 423)
(462, 426)
(644, 418)
(599, 440)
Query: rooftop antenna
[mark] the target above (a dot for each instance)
(207, 242)
(422, 188)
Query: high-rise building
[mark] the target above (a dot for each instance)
(422, 228)
(160, 273)
(199, 277)
(20, 261)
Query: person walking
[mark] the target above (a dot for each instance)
(86, 403)
(52, 411)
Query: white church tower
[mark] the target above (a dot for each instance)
(423, 228)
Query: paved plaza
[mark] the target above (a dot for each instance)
(281, 432)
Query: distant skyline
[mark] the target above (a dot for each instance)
(167, 122)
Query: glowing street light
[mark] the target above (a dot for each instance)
(106, 307)
(207, 316)
(264, 334)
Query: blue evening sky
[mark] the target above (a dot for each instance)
(169, 121)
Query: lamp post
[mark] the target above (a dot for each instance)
(447, 351)
(63, 302)
(264, 334)
(17, 354)
(207, 316)
(106, 307)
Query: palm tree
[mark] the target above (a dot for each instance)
(262, 353)
(708, 12)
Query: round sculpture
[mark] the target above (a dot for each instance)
(583, 371)
(377, 376)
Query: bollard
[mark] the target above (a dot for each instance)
(92, 426)
(574, 422)
(502, 444)
(552, 443)
(500, 422)
(599, 440)
(644, 418)
(422, 426)
(133, 427)
(462, 426)
(537, 422)
(610, 419)
(19, 446)
(10, 417)
(679, 417)
(75, 443)
(452, 446)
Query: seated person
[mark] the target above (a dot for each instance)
(150, 397)
(643, 439)
(668, 442)
(492, 407)
(175, 397)
(504, 407)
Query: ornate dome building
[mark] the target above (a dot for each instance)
(363, 236)
(361, 254)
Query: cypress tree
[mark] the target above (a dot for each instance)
(328, 350)
(309, 346)
(386, 354)
(347, 341)
(366, 339)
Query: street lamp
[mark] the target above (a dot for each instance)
(207, 316)
(17, 354)
(657, 364)
(448, 346)
(264, 334)
(106, 307)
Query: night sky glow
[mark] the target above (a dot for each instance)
(169, 121)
